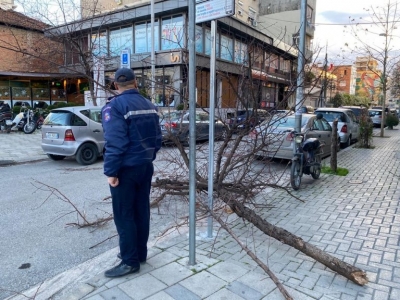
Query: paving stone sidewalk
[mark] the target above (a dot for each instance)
(354, 218)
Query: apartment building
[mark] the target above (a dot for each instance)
(368, 82)
(281, 19)
(248, 62)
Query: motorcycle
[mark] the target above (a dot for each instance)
(306, 158)
(26, 121)
(5, 117)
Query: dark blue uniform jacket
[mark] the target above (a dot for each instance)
(131, 130)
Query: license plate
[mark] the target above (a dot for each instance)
(51, 135)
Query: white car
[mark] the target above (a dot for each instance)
(348, 126)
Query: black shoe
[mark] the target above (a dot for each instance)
(141, 261)
(121, 270)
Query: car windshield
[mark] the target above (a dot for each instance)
(58, 118)
(330, 116)
(373, 113)
(290, 121)
(173, 115)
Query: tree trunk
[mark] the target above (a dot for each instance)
(352, 273)
(334, 146)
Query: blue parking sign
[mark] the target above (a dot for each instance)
(125, 59)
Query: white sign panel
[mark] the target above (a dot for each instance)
(125, 58)
(214, 9)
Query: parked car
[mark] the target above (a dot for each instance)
(248, 119)
(357, 110)
(376, 116)
(175, 126)
(306, 109)
(348, 127)
(75, 130)
(273, 137)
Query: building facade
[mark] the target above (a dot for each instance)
(29, 63)
(368, 83)
(346, 78)
(251, 71)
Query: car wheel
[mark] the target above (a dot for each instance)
(87, 154)
(55, 157)
(347, 143)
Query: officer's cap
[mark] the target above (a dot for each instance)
(124, 75)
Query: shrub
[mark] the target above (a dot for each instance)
(392, 120)
(366, 130)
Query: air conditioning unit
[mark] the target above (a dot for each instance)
(240, 12)
(254, 23)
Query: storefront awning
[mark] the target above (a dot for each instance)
(39, 75)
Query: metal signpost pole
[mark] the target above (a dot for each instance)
(192, 133)
(211, 128)
(300, 66)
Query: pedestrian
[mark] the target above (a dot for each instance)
(133, 137)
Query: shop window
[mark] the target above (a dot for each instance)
(143, 37)
(172, 33)
(120, 39)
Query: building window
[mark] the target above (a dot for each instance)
(120, 39)
(143, 37)
(199, 39)
(207, 43)
(172, 35)
(226, 48)
(99, 44)
(345, 72)
(241, 54)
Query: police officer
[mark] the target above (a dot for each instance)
(133, 137)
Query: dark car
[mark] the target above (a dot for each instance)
(70, 131)
(175, 127)
(358, 111)
(248, 119)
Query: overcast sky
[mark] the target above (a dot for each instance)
(333, 29)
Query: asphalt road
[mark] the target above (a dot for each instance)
(36, 241)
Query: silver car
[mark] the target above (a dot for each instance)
(273, 137)
(70, 131)
(348, 126)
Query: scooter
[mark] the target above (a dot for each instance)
(25, 121)
(5, 117)
(306, 158)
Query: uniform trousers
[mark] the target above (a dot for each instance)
(131, 209)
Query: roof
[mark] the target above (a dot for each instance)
(16, 19)
(332, 109)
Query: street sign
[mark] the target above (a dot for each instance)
(125, 59)
(214, 9)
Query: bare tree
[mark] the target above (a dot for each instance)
(376, 41)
